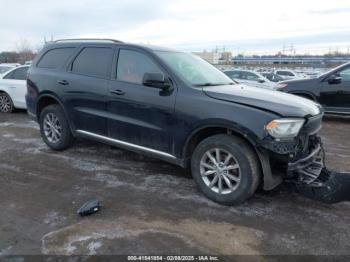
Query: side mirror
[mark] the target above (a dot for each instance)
(334, 79)
(261, 81)
(156, 80)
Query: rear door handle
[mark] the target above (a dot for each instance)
(118, 92)
(63, 82)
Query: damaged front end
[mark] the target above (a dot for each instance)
(301, 163)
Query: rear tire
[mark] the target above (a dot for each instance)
(6, 104)
(54, 128)
(232, 161)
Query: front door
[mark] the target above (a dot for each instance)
(335, 95)
(140, 115)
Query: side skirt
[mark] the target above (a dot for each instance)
(132, 147)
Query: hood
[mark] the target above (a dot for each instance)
(282, 104)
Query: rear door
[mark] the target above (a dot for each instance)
(336, 96)
(15, 83)
(85, 88)
(140, 115)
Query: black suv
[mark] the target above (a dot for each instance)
(331, 90)
(176, 107)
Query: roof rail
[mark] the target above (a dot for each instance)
(87, 39)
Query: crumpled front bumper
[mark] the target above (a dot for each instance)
(299, 160)
(308, 169)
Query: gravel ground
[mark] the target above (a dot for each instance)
(149, 206)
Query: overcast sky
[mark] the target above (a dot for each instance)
(241, 26)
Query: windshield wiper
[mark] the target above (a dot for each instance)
(214, 84)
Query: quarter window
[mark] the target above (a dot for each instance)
(55, 58)
(94, 61)
(132, 66)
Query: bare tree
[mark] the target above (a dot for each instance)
(25, 51)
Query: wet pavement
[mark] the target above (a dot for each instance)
(149, 206)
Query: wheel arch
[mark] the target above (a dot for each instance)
(269, 181)
(47, 99)
(200, 133)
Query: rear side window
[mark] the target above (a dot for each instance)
(55, 58)
(18, 74)
(94, 61)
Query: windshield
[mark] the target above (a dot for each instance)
(193, 69)
(4, 69)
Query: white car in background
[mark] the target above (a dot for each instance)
(13, 89)
(250, 78)
(288, 74)
(5, 67)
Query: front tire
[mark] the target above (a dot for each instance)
(225, 169)
(54, 128)
(6, 104)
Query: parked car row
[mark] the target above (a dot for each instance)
(263, 79)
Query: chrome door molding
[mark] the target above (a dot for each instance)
(127, 145)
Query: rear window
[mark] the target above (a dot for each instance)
(94, 61)
(55, 58)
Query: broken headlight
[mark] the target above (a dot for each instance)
(284, 127)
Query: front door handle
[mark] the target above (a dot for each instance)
(63, 82)
(118, 92)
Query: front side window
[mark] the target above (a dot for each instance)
(193, 69)
(345, 74)
(132, 66)
(94, 61)
(55, 58)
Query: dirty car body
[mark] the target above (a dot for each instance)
(175, 112)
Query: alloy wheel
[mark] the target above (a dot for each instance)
(5, 104)
(52, 128)
(220, 171)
